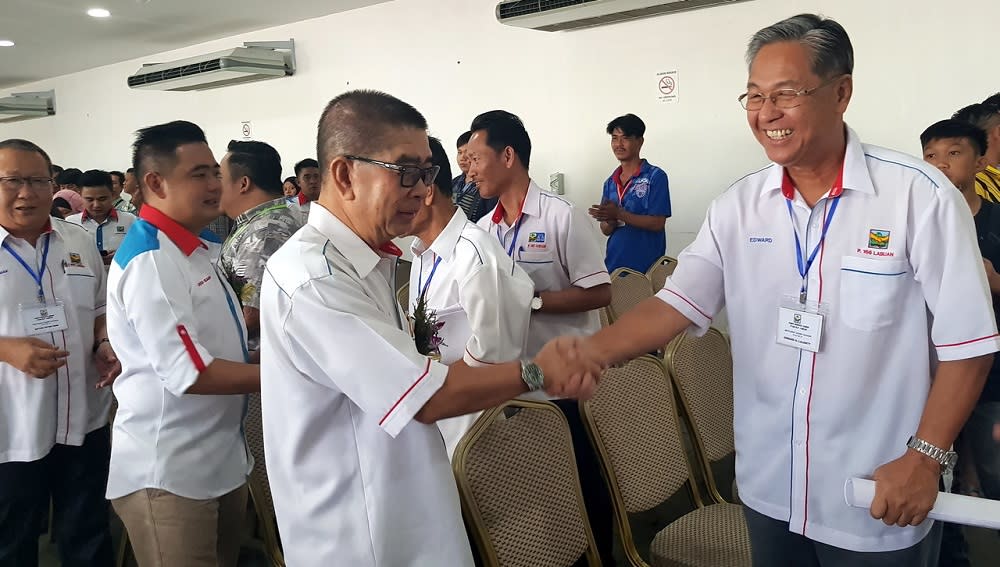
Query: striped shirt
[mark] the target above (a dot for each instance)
(988, 184)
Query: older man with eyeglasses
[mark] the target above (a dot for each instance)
(848, 271)
(358, 470)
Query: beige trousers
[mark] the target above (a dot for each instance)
(167, 530)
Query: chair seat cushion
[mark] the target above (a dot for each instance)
(713, 536)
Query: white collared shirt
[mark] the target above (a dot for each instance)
(170, 314)
(899, 271)
(355, 479)
(553, 243)
(35, 414)
(480, 294)
(108, 234)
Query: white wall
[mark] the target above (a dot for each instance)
(915, 63)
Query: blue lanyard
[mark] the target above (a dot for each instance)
(422, 288)
(41, 271)
(513, 242)
(805, 265)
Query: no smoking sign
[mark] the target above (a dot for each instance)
(666, 86)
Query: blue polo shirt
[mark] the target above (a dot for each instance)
(646, 193)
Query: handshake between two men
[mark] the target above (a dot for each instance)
(570, 369)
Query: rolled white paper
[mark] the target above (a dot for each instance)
(966, 510)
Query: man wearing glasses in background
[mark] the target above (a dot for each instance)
(844, 268)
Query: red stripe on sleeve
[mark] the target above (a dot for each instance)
(427, 370)
(190, 348)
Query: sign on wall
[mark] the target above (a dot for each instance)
(247, 129)
(666, 86)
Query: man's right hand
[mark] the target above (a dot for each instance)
(569, 371)
(32, 356)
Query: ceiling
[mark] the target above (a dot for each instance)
(56, 37)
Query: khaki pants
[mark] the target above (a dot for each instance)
(167, 530)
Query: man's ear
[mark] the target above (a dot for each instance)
(342, 176)
(152, 181)
(431, 196)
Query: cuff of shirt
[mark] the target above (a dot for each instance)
(424, 386)
(592, 280)
(184, 375)
(700, 320)
(969, 348)
(101, 309)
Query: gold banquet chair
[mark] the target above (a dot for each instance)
(521, 496)
(701, 369)
(633, 423)
(628, 289)
(403, 297)
(660, 271)
(260, 488)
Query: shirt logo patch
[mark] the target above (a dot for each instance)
(536, 237)
(641, 187)
(75, 260)
(761, 240)
(878, 239)
(204, 281)
(120, 229)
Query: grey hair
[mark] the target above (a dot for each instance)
(25, 146)
(831, 49)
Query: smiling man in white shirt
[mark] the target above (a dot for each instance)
(108, 225)
(179, 463)
(847, 271)
(478, 293)
(54, 404)
(341, 371)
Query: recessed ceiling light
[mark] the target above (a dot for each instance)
(98, 13)
(6, 43)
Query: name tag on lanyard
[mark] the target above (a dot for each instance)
(43, 318)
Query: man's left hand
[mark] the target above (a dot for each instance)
(108, 365)
(605, 212)
(905, 489)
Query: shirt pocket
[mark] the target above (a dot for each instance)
(541, 267)
(82, 285)
(871, 292)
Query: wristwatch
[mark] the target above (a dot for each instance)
(98, 344)
(532, 375)
(946, 458)
(536, 302)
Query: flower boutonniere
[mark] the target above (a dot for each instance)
(425, 330)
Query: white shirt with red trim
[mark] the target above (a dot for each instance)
(481, 297)
(108, 234)
(899, 271)
(35, 414)
(553, 242)
(170, 314)
(355, 479)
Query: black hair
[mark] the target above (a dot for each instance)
(982, 115)
(156, 146)
(993, 100)
(26, 146)
(69, 176)
(119, 175)
(439, 157)
(306, 163)
(955, 129)
(258, 161)
(463, 139)
(95, 178)
(293, 180)
(630, 125)
(361, 122)
(504, 129)
(130, 170)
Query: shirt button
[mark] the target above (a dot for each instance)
(802, 391)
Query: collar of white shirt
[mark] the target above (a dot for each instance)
(359, 254)
(112, 215)
(446, 242)
(531, 206)
(856, 175)
(46, 230)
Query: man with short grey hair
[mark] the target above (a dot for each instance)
(860, 281)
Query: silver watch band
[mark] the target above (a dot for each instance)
(947, 459)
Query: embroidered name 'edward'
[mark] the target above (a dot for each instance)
(761, 240)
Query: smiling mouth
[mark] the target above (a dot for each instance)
(778, 134)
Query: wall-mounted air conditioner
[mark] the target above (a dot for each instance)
(255, 61)
(25, 106)
(562, 15)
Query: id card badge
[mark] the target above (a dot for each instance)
(800, 325)
(42, 318)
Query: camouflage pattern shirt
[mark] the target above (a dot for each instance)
(258, 233)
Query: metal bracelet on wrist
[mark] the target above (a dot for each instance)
(947, 459)
(532, 375)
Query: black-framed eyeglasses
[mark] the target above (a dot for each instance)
(409, 175)
(781, 98)
(15, 183)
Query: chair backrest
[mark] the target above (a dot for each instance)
(260, 488)
(702, 370)
(516, 474)
(633, 424)
(628, 289)
(605, 317)
(660, 271)
(403, 297)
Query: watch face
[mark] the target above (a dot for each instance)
(536, 303)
